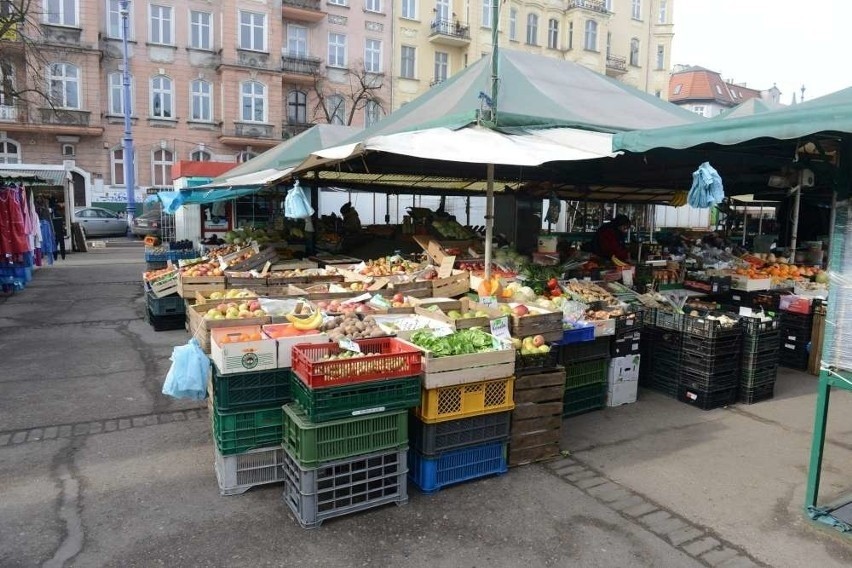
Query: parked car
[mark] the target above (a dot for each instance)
(99, 222)
(147, 224)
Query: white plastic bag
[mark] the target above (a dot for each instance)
(296, 204)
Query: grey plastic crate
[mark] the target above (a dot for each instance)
(240, 472)
(432, 439)
(345, 486)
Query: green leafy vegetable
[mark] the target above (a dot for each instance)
(462, 342)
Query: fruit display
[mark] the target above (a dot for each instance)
(461, 342)
(350, 326)
(602, 315)
(531, 345)
(306, 322)
(478, 269)
(159, 273)
(242, 257)
(281, 330)
(202, 269)
(234, 310)
(471, 314)
(399, 300)
(232, 294)
(782, 271)
(334, 307)
(490, 287)
(246, 235)
(241, 338)
(389, 266)
(221, 251)
(589, 293)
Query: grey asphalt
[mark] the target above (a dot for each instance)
(97, 468)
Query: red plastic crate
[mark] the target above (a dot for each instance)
(385, 358)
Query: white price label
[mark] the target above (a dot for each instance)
(349, 345)
(489, 301)
(357, 299)
(442, 331)
(500, 328)
(446, 268)
(379, 302)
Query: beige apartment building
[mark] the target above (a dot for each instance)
(629, 40)
(211, 80)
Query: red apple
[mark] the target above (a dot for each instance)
(398, 298)
(520, 310)
(538, 340)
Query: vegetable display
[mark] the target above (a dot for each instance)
(462, 342)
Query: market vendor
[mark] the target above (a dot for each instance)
(610, 239)
(351, 220)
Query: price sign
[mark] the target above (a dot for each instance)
(446, 268)
(746, 311)
(362, 298)
(349, 345)
(500, 328)
(490, 301)
(222, 264)
(442, 331)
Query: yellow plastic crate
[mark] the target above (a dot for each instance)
(464, 401)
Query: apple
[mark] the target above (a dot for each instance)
(544, 349)
(259, 313)
(454, 314)
(520, 310)
(538, 340)
(517, 343)
(254, 305)
(398, 297)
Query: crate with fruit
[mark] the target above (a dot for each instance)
(527, 320)
(462, 357)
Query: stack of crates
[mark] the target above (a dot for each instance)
(660, 352)
(759, 359)
(795, 337)
(345, 435)
(459, 432)
(166, 313)
(710, 362)
(586, 365)
(245, 411)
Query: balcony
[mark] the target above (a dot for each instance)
(8, 113)
(591, 5)
(64, 35)
(253, 59)
(302, 10)
(289, 130)
(437, 81)
(452, 33)
(65, 116)
(259, 134)
(615, 66)
(298, 68)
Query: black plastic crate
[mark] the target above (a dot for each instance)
(665, 387)
(626, 344)
(755, 377)
(796, 321)
(709, 328)
(629, 322)
(668, 320)
(433, 439)
(794, 360)
(165, 323)
(795, 335)
(584, 351)
(757, 394)
(707, 364)
(756, 327)
(707, 400)
(758, 342)
(760, 359)
(584, 399)
(714, 348)
(165, 306)
(711, 382)
(537, 363)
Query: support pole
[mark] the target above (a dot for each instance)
(818, 442)
(127, 140)
(795, 229)
(760, 222)
(832, 220)
(489, 218)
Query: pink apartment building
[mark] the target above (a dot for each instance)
(211, 80)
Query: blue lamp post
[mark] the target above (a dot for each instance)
(127, 140)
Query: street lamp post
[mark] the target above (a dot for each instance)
(127, 140)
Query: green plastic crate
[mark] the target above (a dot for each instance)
(322, 405)
(240, 431)
(586, 373)
(312, 444)
(254, 389)
(583, 399)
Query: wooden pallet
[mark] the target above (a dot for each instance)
(537, 417)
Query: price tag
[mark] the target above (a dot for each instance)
(266, 268)
(446, 268)
(379, 302)
(362, 298)
(500, 328)
(222, 264)
(442, 331)
(490, 301)
(349, 345)
(746, 311)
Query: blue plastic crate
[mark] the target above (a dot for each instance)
(578, 334)
(432, 473)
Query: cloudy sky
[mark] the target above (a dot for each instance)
(760, 42)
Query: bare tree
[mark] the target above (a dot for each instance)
(338, 102)
(23, 60)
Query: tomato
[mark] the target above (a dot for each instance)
(553, 283)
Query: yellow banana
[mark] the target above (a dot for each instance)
(617, 262)
(310, 323)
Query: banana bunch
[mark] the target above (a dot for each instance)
(618, 262)
(306, 323)
(679, 199)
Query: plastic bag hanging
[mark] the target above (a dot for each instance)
(296, 204)
(188, 374)
(554, 208)
(707, 189)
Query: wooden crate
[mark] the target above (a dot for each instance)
(189, 285)
(415, 289)
(465, 305)
(454, 285)
(199, 327)
(538, 322)
(243, 280)
(463, 369)
(444, 304)
(537, 417)
(256, 261)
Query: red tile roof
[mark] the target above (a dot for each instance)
(700, 84)
(186, 168)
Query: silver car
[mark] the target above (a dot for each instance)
(99, 222)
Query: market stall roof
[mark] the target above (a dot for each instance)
(749, 108)
(36, 177)
(172, 200)
(278, 161)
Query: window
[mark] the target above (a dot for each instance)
(339, 2)
(7, 84)
(661, 57)
(253, 101)
(677, 89)
(532, 29)
(663, 16)
(636, 13)
(442, 10)
(162, 24)
(245, 156)
(607, 5)
(570, 35)
(553, 34)
(407, 66)
(161, 97)
(442, 64)
(63, 80)
(116, 93)
(200, 30)
(698, 109)
(161, 162)
(60, 12)
(718, 89)
(114, 24)
(117, 166)
(373, 5)
(372, 113)
(513, 24)
(336, 50)
(10, 152)
(608, 44)
(373, 56)
(634, 52)
(252, 31)
(591, 41)
(335, 107)
(297, 41)
(487, 12)
(200, 155)
(409, 9)
(201, 101)
(297, 108)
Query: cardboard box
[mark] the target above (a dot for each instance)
(741, 282)
(457, 284)
(285, 344)
(624, 392)
(242, 356)
(623, 369)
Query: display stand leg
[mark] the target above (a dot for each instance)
(818, 442)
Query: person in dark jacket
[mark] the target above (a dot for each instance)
(610, 239)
